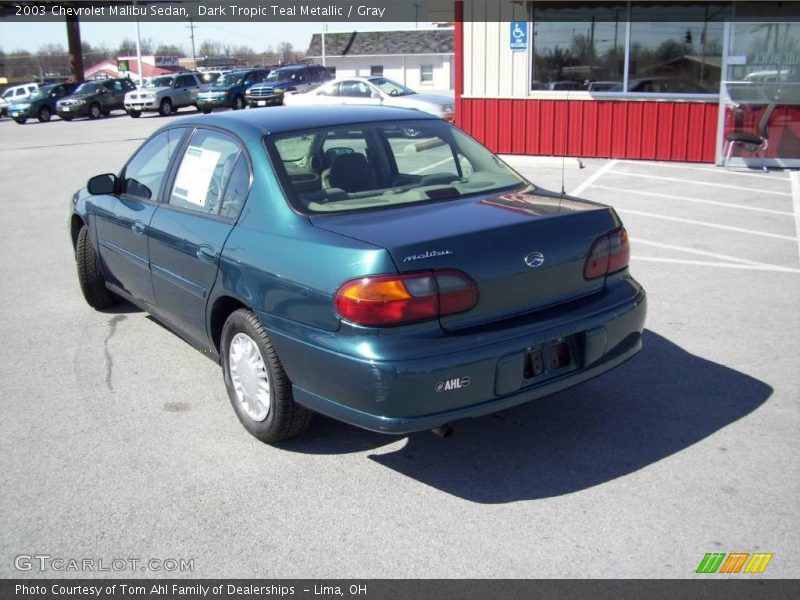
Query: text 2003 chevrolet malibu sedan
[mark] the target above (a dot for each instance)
(336, 266)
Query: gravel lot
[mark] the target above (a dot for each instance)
(118, 440)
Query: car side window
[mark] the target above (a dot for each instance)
(357, 89)
(331, 90)
(236, 190)
(206, 168)
(145, 172)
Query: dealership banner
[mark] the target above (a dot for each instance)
(389, 589)
(389, 11)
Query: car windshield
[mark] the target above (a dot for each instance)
(392, 88)
(283, 75)
(229, 79)
(380, 165)
(42, 92)
(88, 88)
(157, 82)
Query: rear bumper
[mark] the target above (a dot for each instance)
(406, 394)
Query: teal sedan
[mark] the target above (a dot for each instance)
(41, 104)
(334, 265)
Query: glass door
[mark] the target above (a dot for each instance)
(759, 123)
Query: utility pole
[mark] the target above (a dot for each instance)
(191, 27)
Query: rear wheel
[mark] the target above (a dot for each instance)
(238, 103)
(135, 113)
(94, 111)
(93, 286)
(44, 114)
(165, 108)
(259, 390)
(21, 120)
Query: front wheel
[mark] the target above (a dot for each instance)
(21, 120)
(259, 390)
(165, 108)
(65, 118)
(94, 111)
(135, 113)
(93, 286)
(44, 115)
(205, 111)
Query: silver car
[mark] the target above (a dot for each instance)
(164, 94)
(377, 91)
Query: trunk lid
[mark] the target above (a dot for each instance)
(525, 250)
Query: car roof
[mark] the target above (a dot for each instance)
(293, 118)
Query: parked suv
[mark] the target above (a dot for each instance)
(229, 90)
(164, 94)
(42, 104)
(95, 98)
(291, 78)
(15, 93)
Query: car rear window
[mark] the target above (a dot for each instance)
(379, 165)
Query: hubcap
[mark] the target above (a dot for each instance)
(95, 111)
(249, 376)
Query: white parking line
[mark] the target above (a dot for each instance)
(698, 200)
(705, 263)
(771, 175)
(794, 178)
(594, 177)
(436, 164)
(706, 183)
(707, 224)
(746, 261)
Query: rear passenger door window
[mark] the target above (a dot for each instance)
(212, 163)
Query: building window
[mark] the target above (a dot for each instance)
(376, 71)
(426, 74)
(675, 57)
(583, 46)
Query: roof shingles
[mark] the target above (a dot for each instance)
(381, 43)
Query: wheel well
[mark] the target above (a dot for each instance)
(165, 98)
(222, 309)
(74, 228)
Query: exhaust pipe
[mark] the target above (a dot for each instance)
(444, 431)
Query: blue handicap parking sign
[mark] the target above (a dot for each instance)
(519, 35)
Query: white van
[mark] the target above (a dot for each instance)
(16, 93)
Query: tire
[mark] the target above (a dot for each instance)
(93, 286)
(135, 113)
(21, 120)
(205, 111)
(45, 114)
(165, 108)
(284, 417)
(94, 111)
(238, 103)
(106, 112)
(63, 118)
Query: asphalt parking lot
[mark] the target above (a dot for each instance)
(118, 440)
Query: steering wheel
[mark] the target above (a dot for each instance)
(394, 92)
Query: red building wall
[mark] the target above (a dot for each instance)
(650, 130)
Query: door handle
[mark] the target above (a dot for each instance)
(206, 254)
(138, 228)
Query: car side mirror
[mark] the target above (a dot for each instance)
(102, 184)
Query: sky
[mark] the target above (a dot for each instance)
(258, 35)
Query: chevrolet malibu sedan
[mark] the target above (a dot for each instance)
(333, 265)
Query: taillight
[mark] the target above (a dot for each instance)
(399, 299)
(610, 253)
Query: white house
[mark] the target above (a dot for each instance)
(422, 59)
